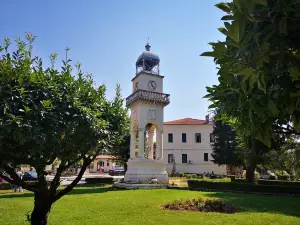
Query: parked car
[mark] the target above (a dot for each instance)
(118, 171)
(269, 176)
(29, 176)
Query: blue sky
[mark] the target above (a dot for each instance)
(107, 36)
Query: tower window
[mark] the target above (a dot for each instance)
(184, 158)
(183, 137)
(170, 137)
(198, 138)
(206, 157)
(170, 158)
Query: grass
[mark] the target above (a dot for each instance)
(103, 205)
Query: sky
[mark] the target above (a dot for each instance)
(107, 36)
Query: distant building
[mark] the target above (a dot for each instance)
(189, 141)
(107, 162)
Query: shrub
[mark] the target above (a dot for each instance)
(169, 174)
(273, 182)
(232, 177)
(181, 174)
(5, 186)
(194, 176)
(244, 187)
(188, 176)
(99, 180)
(202, 205)
(200, 176)
(283, 177)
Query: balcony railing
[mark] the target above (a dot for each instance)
(148, 96)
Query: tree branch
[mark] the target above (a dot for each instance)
(70, 187)
(17, 180)
(56, 180)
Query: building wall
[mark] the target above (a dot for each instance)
(107, 165)
(195, 151)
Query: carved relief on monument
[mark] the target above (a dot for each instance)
(152, 114)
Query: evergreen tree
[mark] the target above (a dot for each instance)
(225, 150)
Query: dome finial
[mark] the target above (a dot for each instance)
(148, 46)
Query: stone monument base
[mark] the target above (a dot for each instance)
(141, 170)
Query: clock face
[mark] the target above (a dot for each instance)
(151, 85)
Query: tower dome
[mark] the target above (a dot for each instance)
(148, 61)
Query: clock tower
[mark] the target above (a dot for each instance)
(147, 103)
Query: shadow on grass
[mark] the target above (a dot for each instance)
(287, 205)
(81, 189)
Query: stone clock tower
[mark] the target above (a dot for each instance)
(147, 103)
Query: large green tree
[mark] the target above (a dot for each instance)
(259, 70)
(48, 114)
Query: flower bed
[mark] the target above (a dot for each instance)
(202, 205)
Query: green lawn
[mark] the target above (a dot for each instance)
(102, 205)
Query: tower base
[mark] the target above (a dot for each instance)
(141, 170)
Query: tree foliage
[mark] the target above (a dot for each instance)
(259, 70)
(48, 115)
(259, 66)
(286, 158)
(225, 147)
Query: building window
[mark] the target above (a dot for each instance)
(170, 138)
(170, 158)
(184, 158)
(183, 137)
(107, 164)
(211, 137)
(206, 157)
(198, 138)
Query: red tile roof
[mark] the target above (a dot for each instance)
(185, 121)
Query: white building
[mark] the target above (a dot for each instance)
(189, 141)
(106, 162)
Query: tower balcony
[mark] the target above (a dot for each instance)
(148, 97)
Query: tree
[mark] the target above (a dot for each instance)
(47, 115)
(225, 147)
(286, 158)
(122, 151)
(259, 70)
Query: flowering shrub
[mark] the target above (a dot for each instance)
(202, 205)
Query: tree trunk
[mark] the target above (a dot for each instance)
(250, 174)
(42, 206)
(252, 159)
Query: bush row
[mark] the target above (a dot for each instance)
(7, 186)
(99, 180)
(272, 182)
(188, 175)
(244, 187)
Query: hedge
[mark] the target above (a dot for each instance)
(273, 182)
(99, 180)
(244, 187)
(7, 186)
